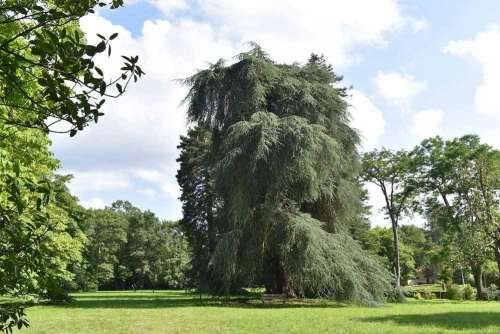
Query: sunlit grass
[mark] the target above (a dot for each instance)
(424, 287)
(180, 312)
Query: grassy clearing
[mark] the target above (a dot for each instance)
(179, 312)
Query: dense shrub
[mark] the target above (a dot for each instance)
(491, 293)
(397, 296)
(469, 292)
(56, 294)
(427, 295)
(409, 293)
(454, 293)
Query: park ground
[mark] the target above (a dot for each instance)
(180, 312)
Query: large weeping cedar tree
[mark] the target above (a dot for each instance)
(269, 181)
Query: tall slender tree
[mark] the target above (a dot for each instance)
(393, 174)
(199, 222)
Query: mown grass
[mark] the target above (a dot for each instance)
(424, 287)
(180, 312)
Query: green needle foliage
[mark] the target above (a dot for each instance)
(199, 223)
(277, 181)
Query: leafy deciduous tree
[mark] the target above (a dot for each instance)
(47, 76)
(47, 70)
(461, 180)
(392, 172)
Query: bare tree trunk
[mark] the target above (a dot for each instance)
(394, 221)
(477, 271)
(284, 283)
(396, 260)
(462, 274)
(496, 247)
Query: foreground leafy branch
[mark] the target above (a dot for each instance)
(12, 317)
(49, 81)
(48, 73)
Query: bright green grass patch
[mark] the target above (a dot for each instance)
(424, 287)
(178, 312)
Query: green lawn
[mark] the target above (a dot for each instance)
(424, 287)
(178, 312)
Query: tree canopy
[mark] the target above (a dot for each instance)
(455, 185)
(461, 181)
(392, 173)
(128, 248)
(48, 77)
(284, 167)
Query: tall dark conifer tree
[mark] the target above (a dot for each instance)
(285, 187)
(196, 178)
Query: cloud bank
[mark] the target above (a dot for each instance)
(131, 153)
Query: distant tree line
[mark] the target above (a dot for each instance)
(127, 248)
(116, 248)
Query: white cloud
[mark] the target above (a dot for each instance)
(168, 6)
(492, 137)
(148, 192)
(94, 203)
(171, 189)
(134, 145)
(140, 131)
(147, 183)
(94, 180)
(366, 118)
(418, 24)
(377, 202)
(150, 175)
(165, 185)
(427, 123)
(483, 49)
(398, 88)
(291, 30)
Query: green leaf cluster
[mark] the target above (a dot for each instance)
(48, 72)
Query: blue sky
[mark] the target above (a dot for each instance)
(418, 68)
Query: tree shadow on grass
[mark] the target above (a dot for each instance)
(159, 296)
(447, 320)
(150, 301)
